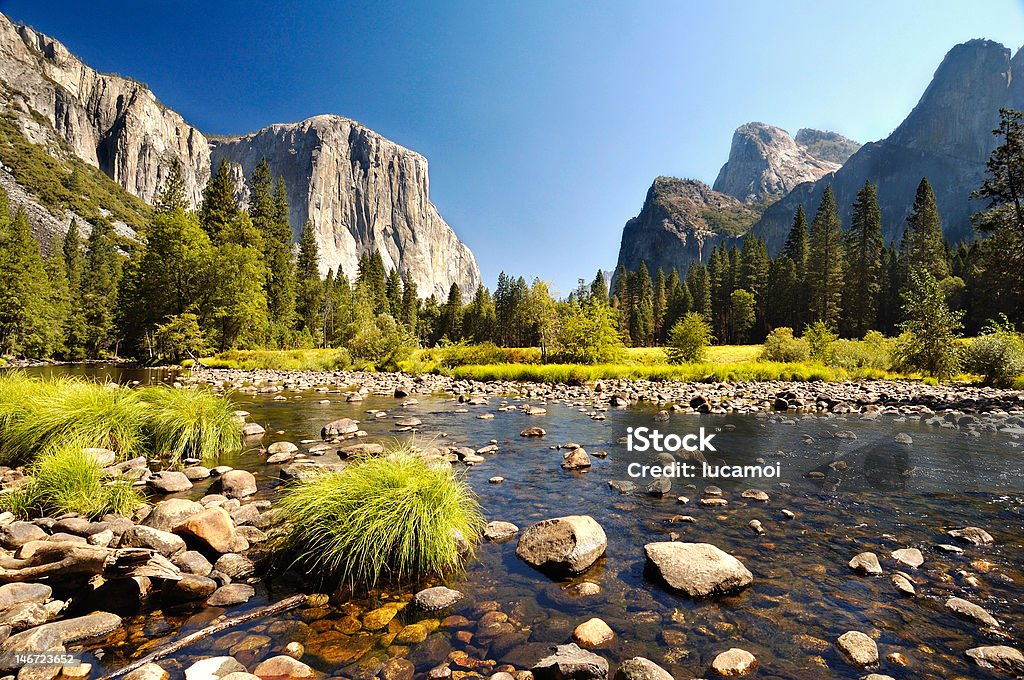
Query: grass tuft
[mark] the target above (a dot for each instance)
(189, 423)
(382, 518)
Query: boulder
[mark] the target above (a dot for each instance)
(169, 481)
(213, 526)
(570, 662)
(972, 535)
(168, 514)
(438, 597)
(23, 593)
(734, 663)
(213, 668)
(283, 668)
(282, 447)
(56, 634)
(231, 594)
(533, 432)
(639, 668)
(148, 672)
(592, 633)
(697, 569)
(566, 544)
(500, 531)
(17, 534)
(189, 588)
(909, 557)
(164, 542)
(999, 657)
(238, 483)
(576, 459)
(253, 430)
(234, 565)
(860, 650)
(193, 562)
(339, 428)
(866, 563)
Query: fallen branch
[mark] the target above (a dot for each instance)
(276, 608)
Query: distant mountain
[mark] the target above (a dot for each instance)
(765, 163)
(947, 138)
(680, 219)
(828, 146)
(75, 143)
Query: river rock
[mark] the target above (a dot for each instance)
(859, 649)
(659, 487)
(169, 481)
(283, 668)
(575, 459)
(238, 483)
(999, 657)
(971, 611)
(903, 584)
(213, 526)
(972, 535)
(150, 671)
(866, 563)
(570, 662)
(253, 430)
(282, 447)
(697, 569)
(213, 668)
(910, 557)
(339, 428)
(234, 565)
(25, 615)
(164, 542)
(436, 598)
(168, 514)
(569, 544)
(56, 634)
(17, 534)
(500, 531)
(23, 593)
(639, 668)
(231, 594)
(188, 589)
(533, 432)
(734, 662)
(193, 562)
(592, 633)
(622, 486)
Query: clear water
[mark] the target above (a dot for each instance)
(803, 596)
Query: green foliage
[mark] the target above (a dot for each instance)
(928, 341)
(874, 351)
(689, 339)
(998, 354)
(587, 334)
(820, 338)
(100, 281)
(381, 519)
(179, 338)
(824, 280)
(781, 346)
(282, 360)
(188, 423)
(744, 314)
(219, 207)
(923, 247)
(309, 299)
(863, 276)
(66, 478)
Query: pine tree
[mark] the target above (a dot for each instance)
(659, 304)
(783, 290)
(410, 304)
(28, 322)
(172, 194)
(280, 259)
(309, 298)
(641, 320)
(699, 283)
(824, 282)
(393, 293)
(451, 315)
(797, 249)
(219, 207)
(478, 319)
(598, 288)
(100, 281)
(864, 245)
(58, 303)
(754, 278)
(923, 247)
(743, 314)
(74, 265)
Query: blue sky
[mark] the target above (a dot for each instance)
(544, 122)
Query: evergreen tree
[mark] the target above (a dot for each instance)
(863, 278)
(239, 304)
(172, 193)
(784, 290)
(598, 288)
(74, 266)
(450, 322)
(824, 282)
(797, 249)
(928, 339)
(743, 315)
(410, 304)
(309, 288)
(280, 260)
(100, 281)
(756, 266)
(699, 284)
(58, 303)
(659, 304)
(680, 302)
(1001, 256)
(478, 320)
(923, 247)
(719, 272)
(393, 292)
(889, 312)
(641, 320)
(219, 207)
(28, 322)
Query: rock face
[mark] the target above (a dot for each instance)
(113, 123)
(765, 162)
(681, 220)
(825, 145)
(361, 192)
(946, 138)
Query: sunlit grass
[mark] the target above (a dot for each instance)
(390, 517)
(189, 423)
(282, 360)
(64, 479)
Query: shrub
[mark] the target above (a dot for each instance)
(180, 337)
(465, 354)
(381, 343)
(689, 339)
(998, 354)
(820, 337)
(781, 346)
(928, 341)
(587, 335)
(874, 351)
(382, 518)
(189, 423)
(66, 479)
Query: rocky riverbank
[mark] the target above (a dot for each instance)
(868, 396)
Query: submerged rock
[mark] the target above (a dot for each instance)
(570, 662)
(500, 531)
(859, 649)
(697, 569)
(972, 535)
(592, 633)
(569, 544)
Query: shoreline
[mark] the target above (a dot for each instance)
(852, 396)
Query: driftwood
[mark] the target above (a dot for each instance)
(170, 648)
(42, 559)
